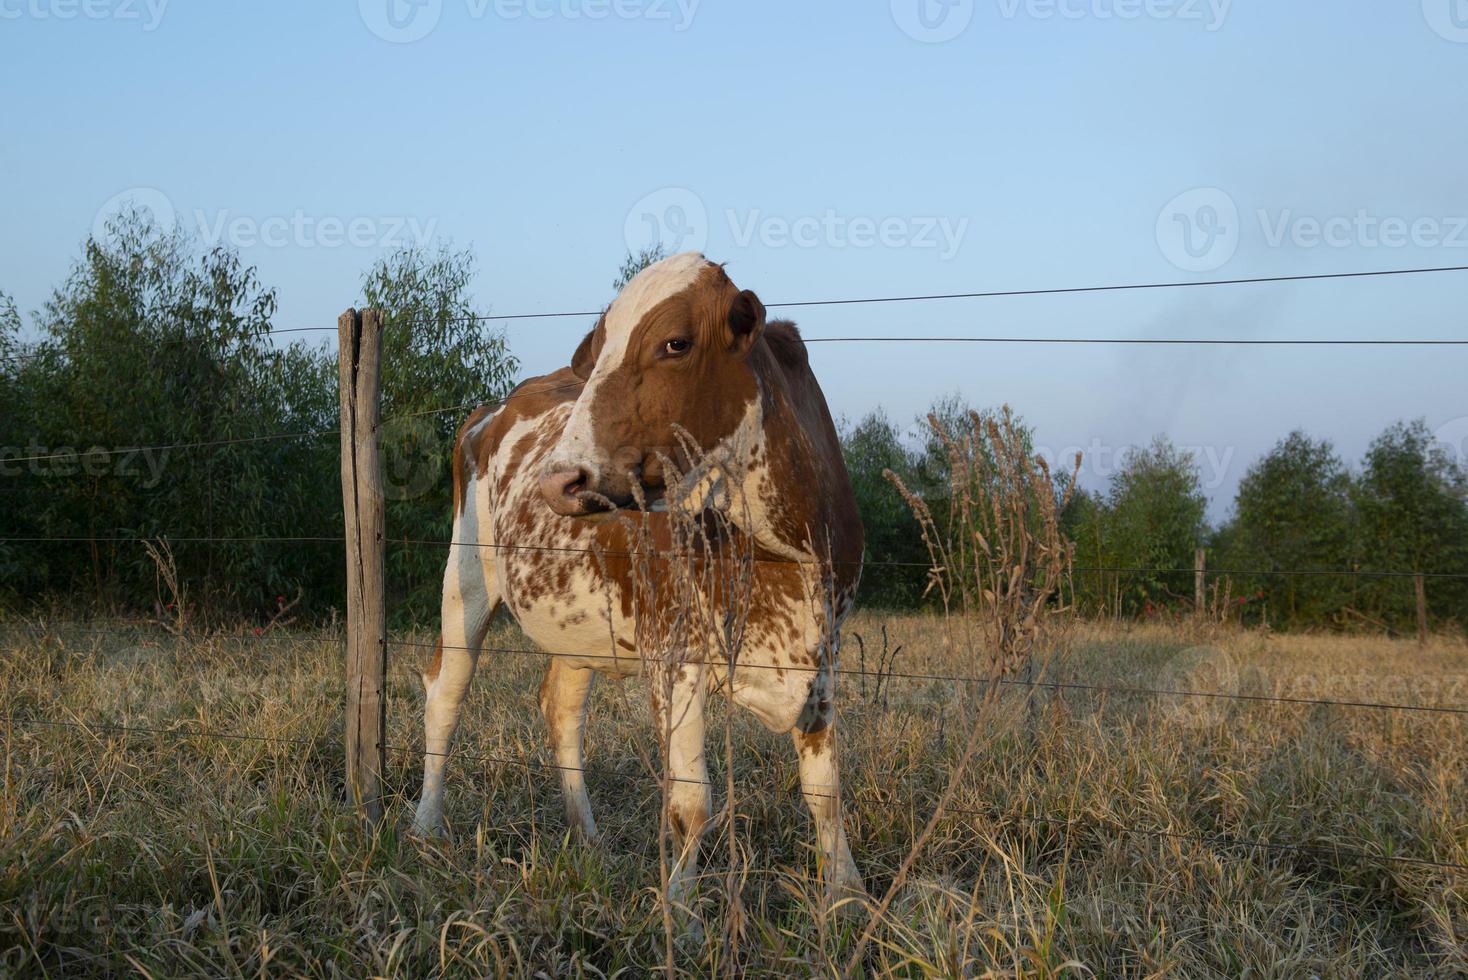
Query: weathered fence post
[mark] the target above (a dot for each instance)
(1200, 584)
(359, 358)
(1420, 581)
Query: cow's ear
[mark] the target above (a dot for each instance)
(746, 321)
(585, 357)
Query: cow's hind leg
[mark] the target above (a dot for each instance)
(563, 697)
(470, 597)
(820, 782)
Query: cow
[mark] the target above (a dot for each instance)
(680, 353)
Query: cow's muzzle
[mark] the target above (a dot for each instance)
(567, 492)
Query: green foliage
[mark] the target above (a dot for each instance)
(1135, 544)
(148, 343)
(438, 363)
(1293, 513)
(635, 262)
(871, 447)
(1412, 501)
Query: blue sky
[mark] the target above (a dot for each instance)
(823, 150)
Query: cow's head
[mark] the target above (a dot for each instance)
(671, 351)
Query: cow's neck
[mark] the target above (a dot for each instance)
(779, 504)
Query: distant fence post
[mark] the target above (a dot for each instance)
(1420, 581)
(1200, 585)
(359, 359)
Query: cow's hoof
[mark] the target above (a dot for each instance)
(429, 828)
(849, 897)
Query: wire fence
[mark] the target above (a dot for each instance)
(1098, 690)
(649, 779)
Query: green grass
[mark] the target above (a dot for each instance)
(163, 856)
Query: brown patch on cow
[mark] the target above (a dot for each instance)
(431, 674)
(480, 443)
(625, 645)
(816, 741)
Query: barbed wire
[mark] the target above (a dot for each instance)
(633, 659)
(806, 790)
(411, 323)
(677, 556)
(1103, 689)
(998, 293)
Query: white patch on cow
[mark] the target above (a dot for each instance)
(651, 286)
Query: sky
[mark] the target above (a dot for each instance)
(824, 151)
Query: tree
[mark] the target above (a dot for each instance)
(1412, 497)
(1293, 513)
(438, 362)
(151, 342)
(1085, 521)
(635, 262)
(1155, 515)
(871, 447)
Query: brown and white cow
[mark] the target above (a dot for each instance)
(681, 345)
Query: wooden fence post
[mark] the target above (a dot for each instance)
(1200, 585)
(1420, 581)
(359, 357)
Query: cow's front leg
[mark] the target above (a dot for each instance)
(681, 722)
(820, 783)
(563, 697)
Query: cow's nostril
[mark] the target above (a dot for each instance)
(561, 487)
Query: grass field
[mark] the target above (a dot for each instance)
(1085, 840)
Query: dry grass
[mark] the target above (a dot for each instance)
(170, 856)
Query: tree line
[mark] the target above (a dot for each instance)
(153, 342)
(1310, 542)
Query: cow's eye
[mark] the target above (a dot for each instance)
(677, 347)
